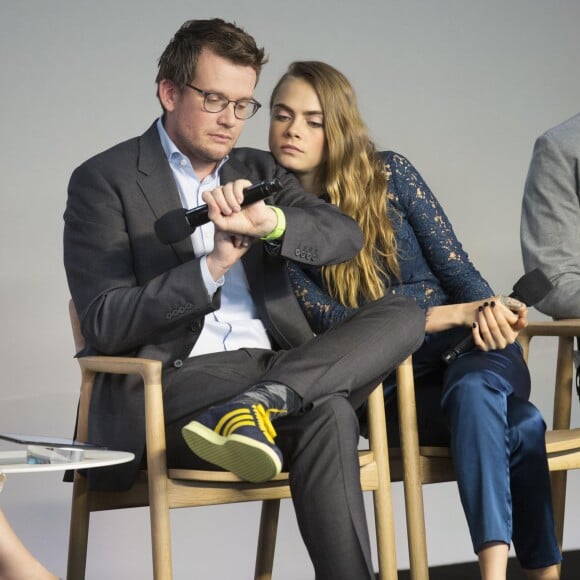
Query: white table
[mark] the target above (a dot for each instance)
(15, 462)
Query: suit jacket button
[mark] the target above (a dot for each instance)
(177, 363)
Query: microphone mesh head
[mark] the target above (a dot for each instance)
(532, 287)
(172, 227)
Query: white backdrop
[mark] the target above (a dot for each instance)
(460, 87)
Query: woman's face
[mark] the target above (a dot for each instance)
(297, 138)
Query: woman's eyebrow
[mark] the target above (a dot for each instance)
(291, 110)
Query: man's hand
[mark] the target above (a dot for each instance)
(235, 227)
(225, 211)
(228, 249)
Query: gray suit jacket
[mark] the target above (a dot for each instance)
(550, 226)
(137, 296)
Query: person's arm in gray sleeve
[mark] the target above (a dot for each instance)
(550, 221)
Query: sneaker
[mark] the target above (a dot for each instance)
(238, 438)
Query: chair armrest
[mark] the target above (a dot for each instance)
(564, 327)
(150, 371)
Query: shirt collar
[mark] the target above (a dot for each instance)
(171, 150)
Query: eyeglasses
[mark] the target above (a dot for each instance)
(215, 103)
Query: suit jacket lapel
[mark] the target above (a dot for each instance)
(158, 185)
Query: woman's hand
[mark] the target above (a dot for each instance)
(495, 325)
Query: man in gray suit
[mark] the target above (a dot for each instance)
(217, 308)
(550, 226)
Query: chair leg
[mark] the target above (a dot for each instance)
(79, 531)
(157, 480)
(267, 539)
(383, 500)
(386, 542)
(412, 481)
(559, 502)
(160, 536)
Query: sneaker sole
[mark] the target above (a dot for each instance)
(249, 459)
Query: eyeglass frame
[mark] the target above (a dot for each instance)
(205, 94)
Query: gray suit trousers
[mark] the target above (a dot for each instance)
(333, 374)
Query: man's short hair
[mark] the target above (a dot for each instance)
(178, 63)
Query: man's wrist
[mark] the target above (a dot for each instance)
(213, 277)
(280, 227)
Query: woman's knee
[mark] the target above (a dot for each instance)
(474, 391)
(527, 427)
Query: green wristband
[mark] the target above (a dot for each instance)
(280, 228)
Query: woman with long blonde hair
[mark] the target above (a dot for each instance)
(478, 403)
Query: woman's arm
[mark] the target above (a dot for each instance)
(470, 298)
(320, 309)
(449, 263)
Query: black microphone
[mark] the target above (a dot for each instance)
(177, 224)
(529, 289)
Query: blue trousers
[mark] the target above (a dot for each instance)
(479, 406)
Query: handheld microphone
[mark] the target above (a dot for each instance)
(529, 289)
(177, 224)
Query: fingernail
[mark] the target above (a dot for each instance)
(474, 325)
(480, 308)
(492, 304)
(486, 303)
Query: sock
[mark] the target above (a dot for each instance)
(277, 398)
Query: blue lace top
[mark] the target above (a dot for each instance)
(435, 269)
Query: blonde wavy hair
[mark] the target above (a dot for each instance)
(355, 178)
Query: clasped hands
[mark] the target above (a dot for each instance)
(497, 322)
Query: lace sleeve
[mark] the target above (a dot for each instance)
(447, 259)
(320, 309)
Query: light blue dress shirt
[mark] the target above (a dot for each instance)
(235, 324)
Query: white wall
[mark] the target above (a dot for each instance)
(462, 88)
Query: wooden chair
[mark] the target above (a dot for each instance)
(416, 465)
(163, 489)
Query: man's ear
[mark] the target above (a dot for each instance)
(168, 93)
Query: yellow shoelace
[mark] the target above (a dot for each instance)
(264, 421)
